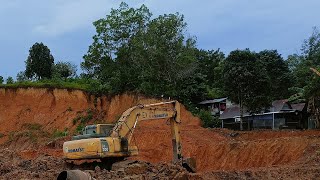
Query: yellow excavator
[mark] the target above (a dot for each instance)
(108, 141)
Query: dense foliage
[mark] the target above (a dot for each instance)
(39, 62)
(132, 52)
(64, 70)
(135, 51)
(10, 80)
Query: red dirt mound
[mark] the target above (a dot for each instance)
(34, 113)
(56, 108)
(216, 150)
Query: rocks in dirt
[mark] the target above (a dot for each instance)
(141, 170)
(131, 167)
(233, 134)
(12, 166)
(49, 167)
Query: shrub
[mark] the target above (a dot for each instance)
(208, 120)
(79, 128)
(57, 133)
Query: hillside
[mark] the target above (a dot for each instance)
(55, 109)
(31, 117)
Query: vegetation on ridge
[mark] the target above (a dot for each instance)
(134, 51)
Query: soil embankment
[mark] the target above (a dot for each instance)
(29, 117)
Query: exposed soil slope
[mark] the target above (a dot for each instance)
(30, 116)
(55, 109)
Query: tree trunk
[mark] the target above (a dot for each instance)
(241, 107)
(241, 116)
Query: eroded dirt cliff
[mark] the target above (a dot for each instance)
(56, 109)
(29, 117)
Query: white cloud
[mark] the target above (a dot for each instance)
(68, 16)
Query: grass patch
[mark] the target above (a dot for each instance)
(32, 126)
(57, 133)
(47, 84)
(13, 136)
(91, 86)
(84, 118)
(76, 120)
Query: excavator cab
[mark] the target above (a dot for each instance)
(95, 131)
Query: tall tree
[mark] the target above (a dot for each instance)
(39, 62)
(132, 52)
(1, 80)
(211, 65)
(162, 54)
(311, 58)
(300, 64)
(311, 47)
(112, 33)
(21, 76)
(246, 82)
(278, 73)
(10, 80)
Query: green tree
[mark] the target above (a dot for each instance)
(310, 58)
(300, 65)
(162, 55)
(211, 65)
(10, 80)
(1, 80)
(112, 33)
(293, 61)
(132, 52)
(21, 76)
(246, 82)
(311, 48)
(64, 70)
(278, 73)
(39, 62)
(207, 119)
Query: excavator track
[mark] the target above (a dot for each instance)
(91, 164)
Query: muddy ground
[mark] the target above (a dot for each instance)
(220, 154)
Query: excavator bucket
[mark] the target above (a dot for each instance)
(190, 164)
(74, 175)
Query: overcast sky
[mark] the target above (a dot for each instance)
(65, 26)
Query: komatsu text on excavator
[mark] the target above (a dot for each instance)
(107, 141)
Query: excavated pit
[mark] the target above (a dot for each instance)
(30, 116)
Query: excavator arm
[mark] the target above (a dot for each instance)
(315, 71)
(126, 125)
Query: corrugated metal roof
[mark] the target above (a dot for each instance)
(232, 112)
(299, 106)
(277, 106)
(212, 101)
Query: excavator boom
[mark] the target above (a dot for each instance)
(315, 71)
